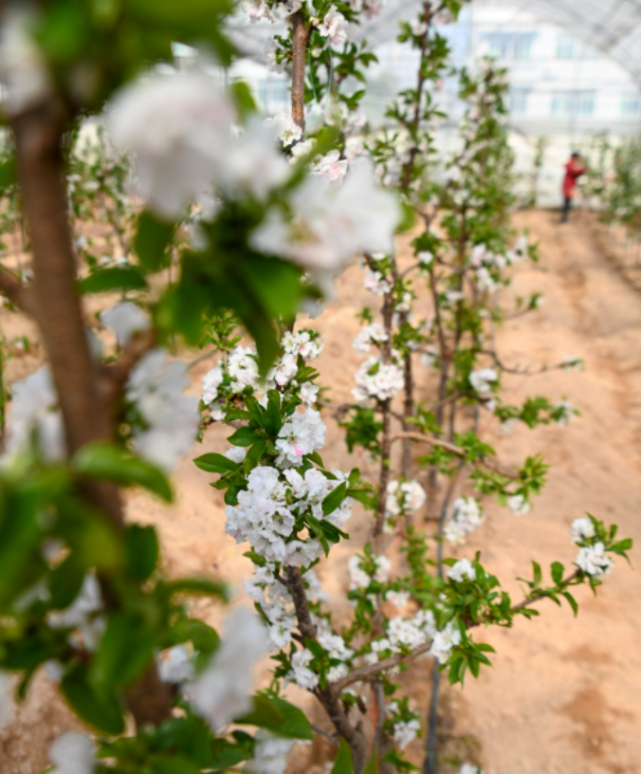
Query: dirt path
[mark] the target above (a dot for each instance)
(564, 696)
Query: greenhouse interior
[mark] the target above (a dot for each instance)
(320, 365)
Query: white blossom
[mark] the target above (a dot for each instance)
(178, 126)
(376, 283)
(582, 529)
(171, 418)
(565, 412)
(251, 162)
(302, 434)
(425, 257)
(34, 407)
(23, 71)
(334, 27)
(270, 753)
(331, 165)
(177, 666)
(257, 10)
(288, 130)
(482, 380)
(461, 570)
(593, 560)
(405, 732)
(303, 676)
(222, 691)
(211, 382)
(309, 393)
(404, 497)
(378, 380)
(125, 319)
(72, 753)
(444, 641)
(81, 615)
(331, 224)
(236, 453)
(359, 578)
(370, 333)
(518, 505)
(465, 517)
(398, 598)
(411, 632)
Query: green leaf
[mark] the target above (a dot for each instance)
(253, 456)
(256, 558)
(8, 173)
(272, 420)
(371, 767)
(114, 278)
(126, 649)
(152, 240)
(244, 436)
(278, 716)
(100, 709)
(343, 763)
(177, 764)
(538, 575)
(199, 586)
(141, 551)
(334, 499)
(227, 755)
(621, 546)
(65, 581)
(106, 460)
(557, 572)
(572, 602)
(315, 457)
(215, 463)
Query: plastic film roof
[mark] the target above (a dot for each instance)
(611, 26)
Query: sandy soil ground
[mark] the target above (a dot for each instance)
(564, 695)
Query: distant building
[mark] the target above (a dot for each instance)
(559, 85)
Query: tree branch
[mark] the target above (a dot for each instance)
(300, 33)
(20, 295)
(85, 409)
(118, 373)
(458, 450)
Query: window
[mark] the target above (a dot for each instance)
(518, 101)
(515, 45)
(573, 103)
(523, 45)
(564, 47)
(631, 104)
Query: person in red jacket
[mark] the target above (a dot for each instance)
(573, 171)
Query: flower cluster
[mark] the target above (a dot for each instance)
(222, 691)
(374, 333)
(376, 283)
(328, 225)
(240, 371)
(403, 498)
(270, 510)
(164, 422)
(563, 412)
(363, 571)
(483, 380)
(461, 570)
(591, 558)
(125, 319)
(34, 412)
(464, 518)
(377, 380)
